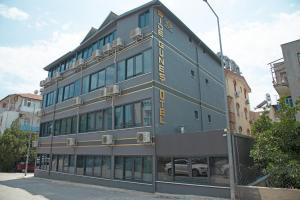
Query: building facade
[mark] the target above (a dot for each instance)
(237, 98)
(25, 108)
(286, 73)
(139, 104)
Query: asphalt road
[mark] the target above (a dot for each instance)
(14, 186)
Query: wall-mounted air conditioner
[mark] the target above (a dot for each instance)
(112, 90)
(107, 48)
(118, 44)
(42, 83)
(58, 75)
(78, 101)
(41, 90)
(107, 139)
(70, 142)
(136, 34)
(143, 137)
(97, 54)
(35, 143)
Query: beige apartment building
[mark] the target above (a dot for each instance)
(238, 100)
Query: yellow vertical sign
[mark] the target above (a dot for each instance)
(161, 67)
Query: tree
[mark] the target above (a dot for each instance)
(13, 147)
(277, 146)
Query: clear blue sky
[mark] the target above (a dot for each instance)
(34, 32)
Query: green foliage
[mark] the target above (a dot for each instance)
(277, 146)
(13, 147)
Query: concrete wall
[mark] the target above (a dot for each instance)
(265, 193)
(291, 55)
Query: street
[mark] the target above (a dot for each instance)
(14, 186)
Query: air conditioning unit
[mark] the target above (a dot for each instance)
(97, 54)
(102, 92)
(35, 143)
(57, 75)
(236, 94)
(70, 142)
(143, 137)
(112, 90)
(247, 101)
(42, 83)
(47, 80)
(118, 44)
(107, 48)
(107, 139)
(41, 90)
(78, 101)
(136, 34)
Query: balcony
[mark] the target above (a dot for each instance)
(279, 76)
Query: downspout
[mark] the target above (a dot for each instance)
(199, 87)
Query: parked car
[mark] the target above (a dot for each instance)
(20, 167)
(182, 168)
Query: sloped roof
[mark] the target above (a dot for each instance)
(110, 17)
(25, 95)
(89, 34)
(242, 78)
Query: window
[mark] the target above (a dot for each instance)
(85, 84)
(99, 120)
(246, 113)
(139, 64)
(248, 132)
(27, 102)
(240, 129)
(97, 80)
(238, 109)
(97, 165)
(134, 168)
(135, 65)
(107, 119)
(66, 164)
(121, 71)
(234, 85)
(91, 121)
(60, 93)
(71, 164)
(196, 114)
(147, 112)
(165, 169)
(129, 67)
(80, 165)
(50, 98)
(71, 90)
(110, 75)
(147, 61)
(60, 163)
(83, 123)
(106, 165)
(209, 118)
(193, 73)
(128, 115)
(144, 19)
(54, 163)
(119, 117)
(245, 93)
(94, 79)
(206, 81)
(135, 114)
(45, 129)
(89, 165)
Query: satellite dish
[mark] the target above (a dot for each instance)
(36, 92)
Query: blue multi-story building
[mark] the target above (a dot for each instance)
(139, 104)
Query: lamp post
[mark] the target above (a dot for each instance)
(229, 136)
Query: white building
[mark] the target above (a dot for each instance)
(24, 107)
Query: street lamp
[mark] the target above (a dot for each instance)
(229, 136)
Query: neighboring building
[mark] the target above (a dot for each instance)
(139, 104)
(22, 107)
(286, 73)
(237, 98)
(271, 113)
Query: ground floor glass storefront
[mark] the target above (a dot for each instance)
(207, 170)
